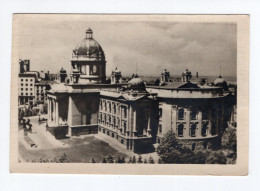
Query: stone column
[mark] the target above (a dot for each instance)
(199, 127)
(149, 123)
(70, 111)
(174, 119)
(54, 111)
(210, 123)
(87, 70)
(130, 119)
(49, 110)
(57, 112)
(187, 126)
(134, 123)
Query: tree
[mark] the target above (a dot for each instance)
(171, 151)
(45, 108)
(110, 159)
(123, 159)
(229, 139)
(216, 158)
(118, 159)
(93, 160)
(139, 159)
(151, 161)
(157, 82)
(104, 160)
(134, 159)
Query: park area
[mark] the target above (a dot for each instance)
(39, 145)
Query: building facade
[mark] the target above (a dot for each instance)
(127, 116)
(133, 115)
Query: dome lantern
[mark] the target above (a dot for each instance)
(89, 33)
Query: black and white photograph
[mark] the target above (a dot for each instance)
(149, 91)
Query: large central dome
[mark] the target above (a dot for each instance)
(89, 49)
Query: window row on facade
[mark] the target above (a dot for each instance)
(113, 108)
(193, 130)
(26, 80)
(181, 114)
(111, 121)
(26, 84)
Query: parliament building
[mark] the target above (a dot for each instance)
(132, 113)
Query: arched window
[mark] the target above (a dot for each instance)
(180, 130)
(114, 121)
(101, 105)
(160, 112)
(160, 128)
(105, 106)
(114, 108)
(124, 126)
(193, 130)
(100, 116)
(193, 114)
(204, 129)
(125, 112)
(105, 117)
(109, 105)
(181, 114)
(193, 146)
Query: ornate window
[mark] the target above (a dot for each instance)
(125, 112)
(193, 146)
(105, 106)
(101, 105)
(180, 130)
(109, 105)
(204, 129)
(193, 114)
(160, 112)
(114, 108)
(181, 114)
(124, 127)
(193, 130)
(114, 121)
(160, 128)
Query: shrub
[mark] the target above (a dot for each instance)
(110, 159)
(151, 161)
(134, 159)
(123, 159)
(104, 160)
(92, 160)
(216, 158)
(139, 159)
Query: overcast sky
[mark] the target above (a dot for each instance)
(152, 46)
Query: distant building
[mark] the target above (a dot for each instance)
(26, 84)
(186, 76)
(116, 76)
(31, 88)
(165, 76)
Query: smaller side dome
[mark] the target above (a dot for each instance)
(62, 70)
(136, 84)
(221, 82)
